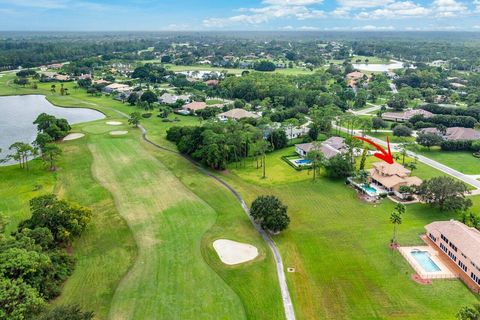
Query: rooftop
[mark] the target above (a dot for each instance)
(194, 106)
(466, 239)
(386, 169)
(407, 114)
(456, 133)
(238, 114)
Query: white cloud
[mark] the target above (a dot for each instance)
(363, 3)
(308, 28)
(396, 10)
(272, 9)
(477, 4)
(449, 8)
(374, 28)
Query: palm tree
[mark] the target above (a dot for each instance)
(363, 176)
(411, 166)
(396, 220)
(263, 147)
(316, 158)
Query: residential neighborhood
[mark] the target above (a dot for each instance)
(248, 161)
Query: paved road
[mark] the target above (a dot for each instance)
(437, 165)
(287, 301)
(366, 112)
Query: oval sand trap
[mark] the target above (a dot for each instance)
(118, 133)
(114, 123)
(73, 136)
(232, 252)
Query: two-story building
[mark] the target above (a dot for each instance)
(461, 245)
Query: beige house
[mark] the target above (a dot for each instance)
(237, 114)
(330, 147)
(194, 106)
(406, 115)
(456, 133)
(461, 245)
(116, 87)
(392, 176)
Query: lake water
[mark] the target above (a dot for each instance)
(379, 67)
(17, 114)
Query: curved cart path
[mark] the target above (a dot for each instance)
(287, 301)
(282, 280)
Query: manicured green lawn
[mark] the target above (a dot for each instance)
(107, 250)
(174, 213)
(287, 71)
(339, 248)
(337, 244)
(462, 161)
(18, 186)
(214, 101)
(392, 138)
(371, 60)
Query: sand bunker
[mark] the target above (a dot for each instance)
(114, 123)
(73, 136)
(232, 252)
(118, 133)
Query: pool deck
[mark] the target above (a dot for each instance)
(445, 271)
(455, 269)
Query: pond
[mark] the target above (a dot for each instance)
(17, 114)
(374, 67)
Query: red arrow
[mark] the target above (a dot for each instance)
(382, 155)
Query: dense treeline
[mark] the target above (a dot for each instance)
(30, 53)
(470, 112)
(425, 49)
(33, 260)
(217, 144)
(419, 121)
(279, 91)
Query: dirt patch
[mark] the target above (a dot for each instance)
(73, 136)
(232, 252)
(420, 280)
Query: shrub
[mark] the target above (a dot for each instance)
(402, 131)
(146, 115)
(270, 212)
(461, 145)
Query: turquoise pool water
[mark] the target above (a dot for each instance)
(423, 259)
(369, 189)
(302, 162)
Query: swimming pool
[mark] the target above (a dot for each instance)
(424, 260)
(369, 189)
(302, 162)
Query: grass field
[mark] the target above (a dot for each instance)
(24, 185)
(287, 71)
(462, 161)
(173, 213)
(339, 248)
(392, 138)
(337, 244)
(371, 60)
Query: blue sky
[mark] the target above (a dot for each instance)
(72, 15)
